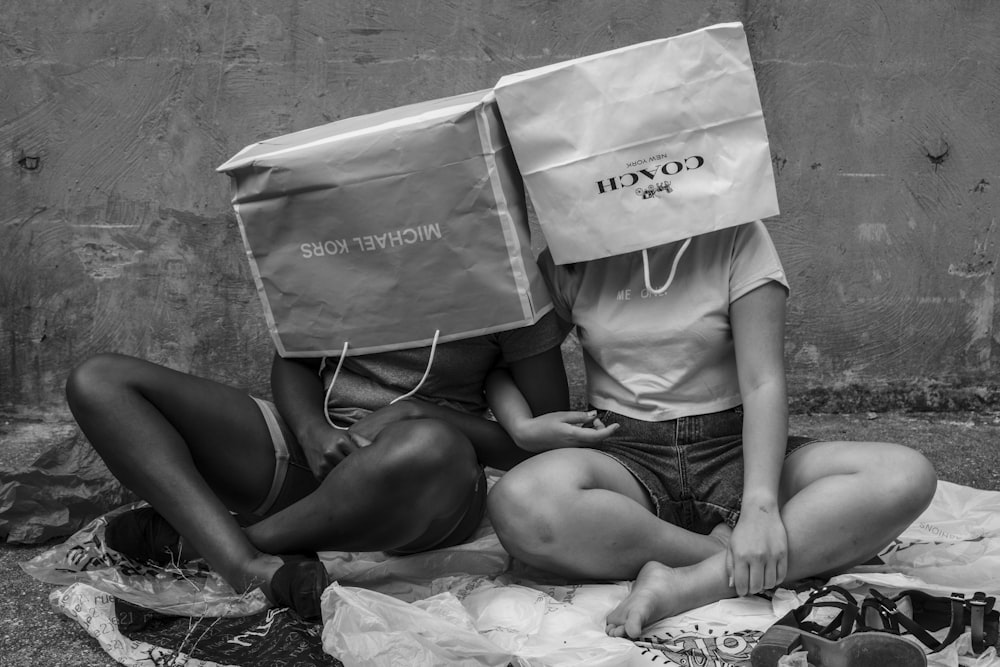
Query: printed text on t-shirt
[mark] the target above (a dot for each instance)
(626, 294)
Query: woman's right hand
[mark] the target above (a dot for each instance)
(326, 448)
(556, 430)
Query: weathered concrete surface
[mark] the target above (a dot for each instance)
(883, 128)
(116, 233)
(882, 118)
(115, 230)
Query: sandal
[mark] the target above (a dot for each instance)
(825, 597)
(920, 614)
(299, 584)
(833, 644)
(144, 536)
(863, 649)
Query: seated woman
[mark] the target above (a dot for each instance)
(404, 476)
(695, 489)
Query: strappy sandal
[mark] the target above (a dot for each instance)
(834, 644)
(919, 614)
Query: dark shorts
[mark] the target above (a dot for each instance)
(691, 467)
(288, 454)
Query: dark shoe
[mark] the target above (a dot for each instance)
(144, 536)
(299, 584)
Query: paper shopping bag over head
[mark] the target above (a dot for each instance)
(642, 145)
(383, 230)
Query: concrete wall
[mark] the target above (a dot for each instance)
(116, 232)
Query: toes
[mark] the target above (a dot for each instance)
(634, 624)
(627, 622)
(615, 630)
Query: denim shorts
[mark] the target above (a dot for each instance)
(691, 467)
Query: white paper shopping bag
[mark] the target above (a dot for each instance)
(388, 231)
(643, 145)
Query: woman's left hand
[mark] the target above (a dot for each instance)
(757, 559)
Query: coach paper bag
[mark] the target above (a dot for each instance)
(389, 230)
(642, 145)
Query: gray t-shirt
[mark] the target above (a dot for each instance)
(456, 378)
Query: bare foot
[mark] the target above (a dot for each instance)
(651, 599)
(660, 591)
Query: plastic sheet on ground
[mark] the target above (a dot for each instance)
(466, 605)
(137, 637)
(192, 590)
(954, 546)
(65, 488)
(476, 621)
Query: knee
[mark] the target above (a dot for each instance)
(428, 453)
(912, 480)
(901, 481)
(524, 507)
(94, 382)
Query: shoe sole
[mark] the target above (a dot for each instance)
(864, 649)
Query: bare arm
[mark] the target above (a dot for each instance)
(493, 446)
(759, 545)
(532, 401)
(540, 382)
(298, 393)
(300, 397)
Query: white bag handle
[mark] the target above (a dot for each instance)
(340, 363)
(333, 381)
(657, 291)
(427, 370)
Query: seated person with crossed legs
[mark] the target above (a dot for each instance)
(256, 488)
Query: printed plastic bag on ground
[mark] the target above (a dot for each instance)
(195, 590)
(94, 611)
(954, 546)
(192, 590)
(140, 637)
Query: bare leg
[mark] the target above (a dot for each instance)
(842, 502)
(414, 482)
(194, 449)
(579, 513)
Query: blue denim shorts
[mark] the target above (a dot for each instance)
(691, 467)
